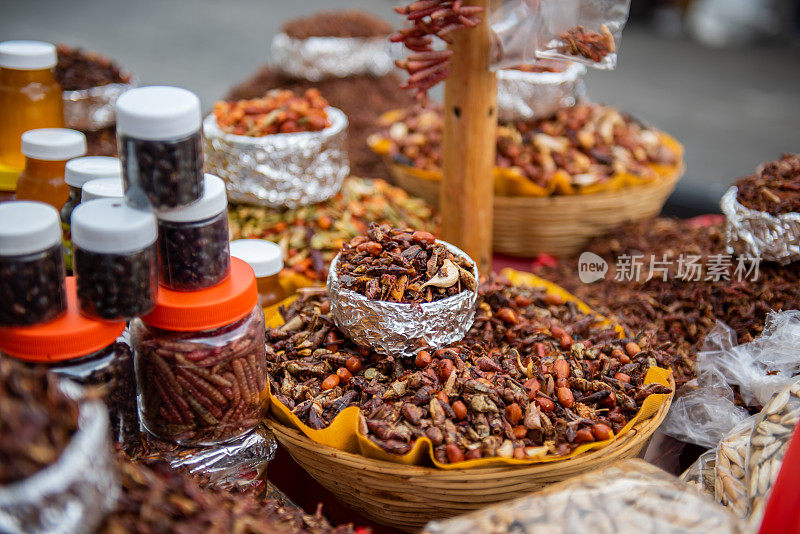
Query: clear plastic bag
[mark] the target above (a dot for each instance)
(631, 496)
(587, 31)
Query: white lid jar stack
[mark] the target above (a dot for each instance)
(193, 241)
(114, 259)
(31, 264)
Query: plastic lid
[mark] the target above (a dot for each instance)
(158, 113)
(27, 227)
(109, 226)
(70, 336)
(81, 170)
(27, 55)
(53, 144)
(102, 188)
(213, 202)
(265, 257)
(205, 309)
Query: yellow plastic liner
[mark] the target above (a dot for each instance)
(343, 434)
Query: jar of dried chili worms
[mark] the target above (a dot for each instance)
(87, 352)
(200, 361)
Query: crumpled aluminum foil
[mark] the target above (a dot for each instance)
(236, 464)
(317, 58)
(279, 170)
(759, 234)
(93, 109)
(538, 95)
(73, 495)
(401, 330)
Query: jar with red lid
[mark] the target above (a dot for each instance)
(87, 352)
(200, 361)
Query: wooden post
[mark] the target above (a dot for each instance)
(468, 146)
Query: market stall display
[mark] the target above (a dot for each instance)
(362, 86)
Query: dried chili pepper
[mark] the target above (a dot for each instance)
(578, 41)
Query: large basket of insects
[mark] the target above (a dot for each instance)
(407, 440)
(552, 193)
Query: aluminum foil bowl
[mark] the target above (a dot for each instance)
(93, 109)
(317, 58)
(73, 495)
(758, 234)
(538, 95)
(280, 170)
(401, 330)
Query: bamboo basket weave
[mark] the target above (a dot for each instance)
(557, 225)
(408, 496)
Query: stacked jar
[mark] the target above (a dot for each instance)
(47, 151)
(266, 259)
(86, 351)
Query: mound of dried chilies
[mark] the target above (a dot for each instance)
(403, 266)
(279, 111)
(774, 188)
(534, 376)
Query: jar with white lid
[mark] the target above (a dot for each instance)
(31, 264)
(86, 351)
(115, 259)
(77, 173)
(266, 259)
(47, 151)
(193, 241)
(159, 140)
(103, 188)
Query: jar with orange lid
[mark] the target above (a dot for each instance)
(31, 264)
(47, 151)
(266, 259)
(87, 352)
(200, 361)
(30, 97)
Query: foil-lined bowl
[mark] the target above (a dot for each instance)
(538, 95)
(93, 109)
(317, 58)
(401, 330)
(74, 494)
(279, 170)
(759, 234)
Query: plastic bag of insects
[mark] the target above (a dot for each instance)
(586, 31)
(631, 496)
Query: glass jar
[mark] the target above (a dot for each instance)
(193, 248)
(103, 188)
(47, 151)
(31, 264)
(115, 259)
(200, 362)
(158, 130)
(77, 172)
(87, 352)
(266, 259)
(30, 97)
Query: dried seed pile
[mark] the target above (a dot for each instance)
(156, 498)
(196, 392)
(534, 376)
(279, 111)
(427, 67)
(349, 23)
(193, 255)
(590, 44)
(79, 69)
(678, 314)
(312, 235)
(774, 188)
(32, 288)
(403, 266)
(591, 143)
(37, 420)
(730, 465)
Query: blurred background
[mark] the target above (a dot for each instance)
(722, 76)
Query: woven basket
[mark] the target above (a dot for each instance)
(407, 497)
(557, 225)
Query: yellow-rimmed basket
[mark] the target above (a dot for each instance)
(408, 496)
(529, 220)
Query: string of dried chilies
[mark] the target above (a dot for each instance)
(427, 67)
